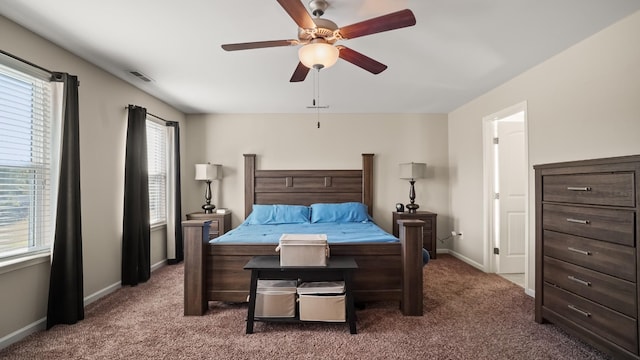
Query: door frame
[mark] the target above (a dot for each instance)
(488, 178)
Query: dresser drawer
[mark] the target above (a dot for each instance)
(615, 189)
(609, 324)
(617, 294)
(605, 257)
(613, 225)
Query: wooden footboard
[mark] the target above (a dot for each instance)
(386, 271)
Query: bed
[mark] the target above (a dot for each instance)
(388, 270)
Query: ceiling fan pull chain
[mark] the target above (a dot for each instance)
(318, 105)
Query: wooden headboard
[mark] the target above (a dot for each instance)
(306, 187)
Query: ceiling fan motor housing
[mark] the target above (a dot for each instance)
(318, 7)
(325, 29)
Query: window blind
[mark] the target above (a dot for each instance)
(26, 203)
(157, 163)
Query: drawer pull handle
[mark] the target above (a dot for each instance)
(583, 252)
(579, 188)
(581, 312)
(578, 221)
(579, 281)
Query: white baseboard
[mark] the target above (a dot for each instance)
(530, 292)
(466, 260)
(113, 287)
(158, 265)
(100, 293)
(42, 323)
(23, 333)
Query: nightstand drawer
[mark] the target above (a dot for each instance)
(618, 294)
(611, 325)
(615, 189)
(614, 225)
(219, 223)
(429, 231)
(428, 224)
(605, 257)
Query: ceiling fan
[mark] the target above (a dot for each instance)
(318, 36)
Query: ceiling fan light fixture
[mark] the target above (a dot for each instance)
(318, 55)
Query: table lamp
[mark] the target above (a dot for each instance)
(412, 171)
(208, 172)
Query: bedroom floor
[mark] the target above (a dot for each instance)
(147, 322)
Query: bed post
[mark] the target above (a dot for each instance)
(367, 182)
(196, 239)
(249, 183)
(411, 248)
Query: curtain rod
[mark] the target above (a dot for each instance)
(26, 62)
(155, 116)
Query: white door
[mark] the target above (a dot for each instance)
(510, 199)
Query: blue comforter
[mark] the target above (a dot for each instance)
(351, 232)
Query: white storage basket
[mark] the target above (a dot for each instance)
(303, 250)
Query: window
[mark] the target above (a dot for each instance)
(27, 148)
(157, 163)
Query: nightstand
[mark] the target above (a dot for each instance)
(428, 231)
(220, 223)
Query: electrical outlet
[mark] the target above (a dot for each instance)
(455, 233)
(460, 235)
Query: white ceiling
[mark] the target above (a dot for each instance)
(458, 49)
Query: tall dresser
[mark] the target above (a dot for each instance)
(586, 251)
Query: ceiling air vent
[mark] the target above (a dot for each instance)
(140, 76)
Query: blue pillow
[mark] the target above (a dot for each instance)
(278, 214)
(339, 213)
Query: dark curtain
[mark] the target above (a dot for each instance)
(66, 304)
(177, 195)
(136, 257)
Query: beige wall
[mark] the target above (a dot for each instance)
(294, 141)
(582, 103)
(23, 291)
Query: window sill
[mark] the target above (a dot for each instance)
(158, 226)
(14, 264)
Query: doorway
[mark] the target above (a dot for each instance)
(506, 192)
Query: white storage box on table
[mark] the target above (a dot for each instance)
(276, 298)
(303, 250)
(322, 301)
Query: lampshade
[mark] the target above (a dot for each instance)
(411, 171)
(318, 55)
(208, 171)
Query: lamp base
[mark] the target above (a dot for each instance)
(412, 208)
(208, 208)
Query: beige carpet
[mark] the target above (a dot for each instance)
(468, 315)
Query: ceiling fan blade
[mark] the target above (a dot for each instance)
(361, 60)
(392, 21)
(300, 73)
(298, 13)
(259, 44)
